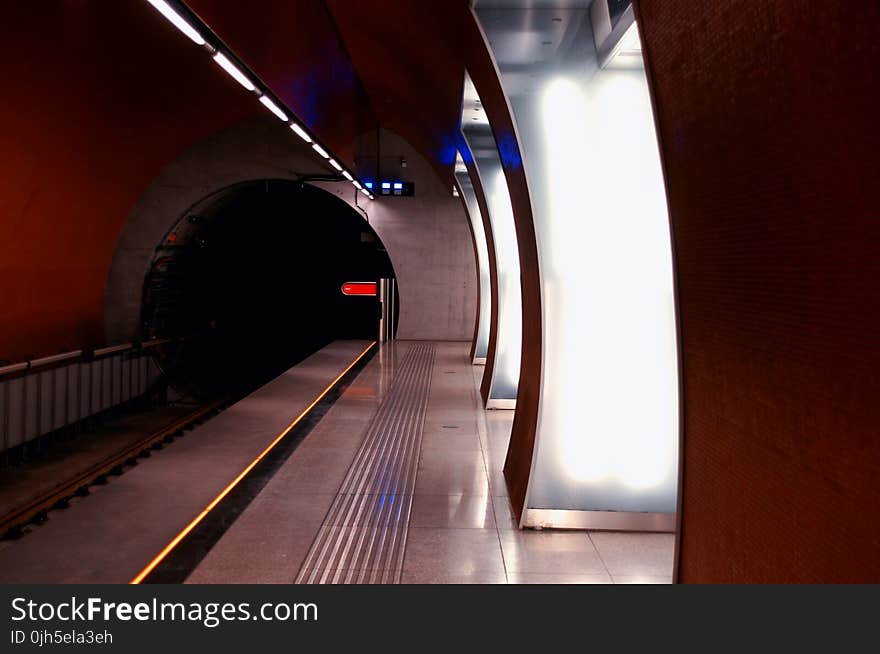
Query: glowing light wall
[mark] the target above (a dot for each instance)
(609, 402)
(508, 341)
(484, 310)
(507, 359)
(607, 433)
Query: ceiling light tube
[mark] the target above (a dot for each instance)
(336, 165)
(317, 148)
(177, 21)
(301, 132)
(271, 106)
(234, 72)
(357, 185)
(347, 175)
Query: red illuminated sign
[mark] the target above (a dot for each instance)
(359, 288)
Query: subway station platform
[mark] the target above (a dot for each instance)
(362, 464)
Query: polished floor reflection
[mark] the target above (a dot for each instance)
(462, 529)
(459, 528)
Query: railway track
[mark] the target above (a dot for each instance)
(36, 510)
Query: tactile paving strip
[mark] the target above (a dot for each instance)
(365, 530)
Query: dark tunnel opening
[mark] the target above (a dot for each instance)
(249, 283)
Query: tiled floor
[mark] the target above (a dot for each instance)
(460, 529)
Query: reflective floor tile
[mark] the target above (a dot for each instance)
(454, 511)
(550, 552)
(640, 579)
(558, 578)
(432, 551)
(635, 553)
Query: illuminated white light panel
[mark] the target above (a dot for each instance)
(608, 428)
(504, 383)
(178, 21)
(505, 377)
(317, 148)
(481, 346)
(271, 106)
(300, 132)
(234, 72)
(607, 432)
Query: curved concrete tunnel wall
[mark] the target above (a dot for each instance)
(426, 236)
(429, 241)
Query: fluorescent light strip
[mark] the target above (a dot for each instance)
(301, 132)
(223, 61)
(201, 516)
(271, 106)
(234, 72)
(357, 185)
(177, 21)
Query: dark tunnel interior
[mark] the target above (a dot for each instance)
(249, 283)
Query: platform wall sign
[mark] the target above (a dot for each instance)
(359, 288)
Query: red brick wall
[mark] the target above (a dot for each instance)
(767, 115)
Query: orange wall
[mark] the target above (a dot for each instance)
(98, 98)
(767, 117)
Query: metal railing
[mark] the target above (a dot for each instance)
(40, 396)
